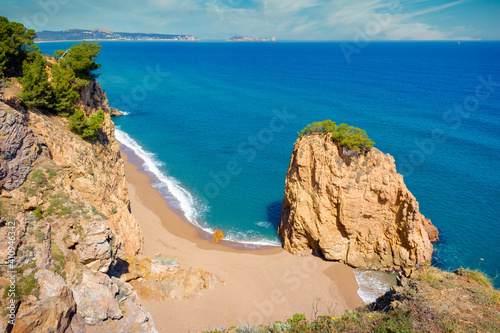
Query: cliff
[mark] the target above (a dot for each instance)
(70, 245)
(351, 207)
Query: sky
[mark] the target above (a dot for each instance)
(284, 19)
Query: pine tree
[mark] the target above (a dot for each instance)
(16, 42)
(65, 92)
(81, 59)
(350, 137)
(36, 91)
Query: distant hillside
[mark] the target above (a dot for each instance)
(104, 34)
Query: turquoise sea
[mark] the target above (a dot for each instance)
(216, 123)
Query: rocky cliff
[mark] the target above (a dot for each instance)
(351, 207)
(66, 231)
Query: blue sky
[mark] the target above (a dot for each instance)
(285, 19)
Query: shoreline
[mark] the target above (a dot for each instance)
(177, 228)
(258, 286)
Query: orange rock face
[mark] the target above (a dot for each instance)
(353, 208)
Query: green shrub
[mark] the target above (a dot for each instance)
(298, 317)
(351, 137)
(87, 129)
(96, 212)
(37, 213)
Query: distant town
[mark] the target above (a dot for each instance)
(250, 39)
(101, 34)
(105, 34)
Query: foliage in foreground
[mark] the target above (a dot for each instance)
(430, 300)
(36, 91)
(351, 137)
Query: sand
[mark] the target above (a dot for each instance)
(259, 286)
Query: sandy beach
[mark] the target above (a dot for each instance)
(259, 286)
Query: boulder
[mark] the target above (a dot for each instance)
(54, 310)
(95, 298)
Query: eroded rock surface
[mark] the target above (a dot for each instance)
(354, 208)
(19, 148)
(53, 312)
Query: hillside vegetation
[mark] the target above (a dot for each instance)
(53, 85)
(425, 300)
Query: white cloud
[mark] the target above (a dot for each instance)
(286, 19)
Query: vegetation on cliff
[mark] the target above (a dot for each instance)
(50, 86)
(16, 42)
(425, 300)
(58, 92)
(87, 129)
(350, 137)
(80, 59)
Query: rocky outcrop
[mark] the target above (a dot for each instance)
(161, 278)
(95, 298)
(53, 312)
(95, 246)
(351, 207)
(93, 97)
(19, 148)
(66, 202)
(94, 172)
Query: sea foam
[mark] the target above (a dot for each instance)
(185, 201)
(180, 198)
(373, 284)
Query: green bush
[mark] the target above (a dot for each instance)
(87, 129)
(351, 137)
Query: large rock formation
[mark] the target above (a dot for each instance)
(65, 202)
(351, 207)
(93, 97)
(19, 148)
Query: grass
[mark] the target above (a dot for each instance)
(39, 235)
(59, 205)
(483, 297)
(431, 301)
(96, 212)
(432, 277)
(59, 259)
(475, 275)
(28, 284)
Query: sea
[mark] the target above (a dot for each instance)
(214, 123)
